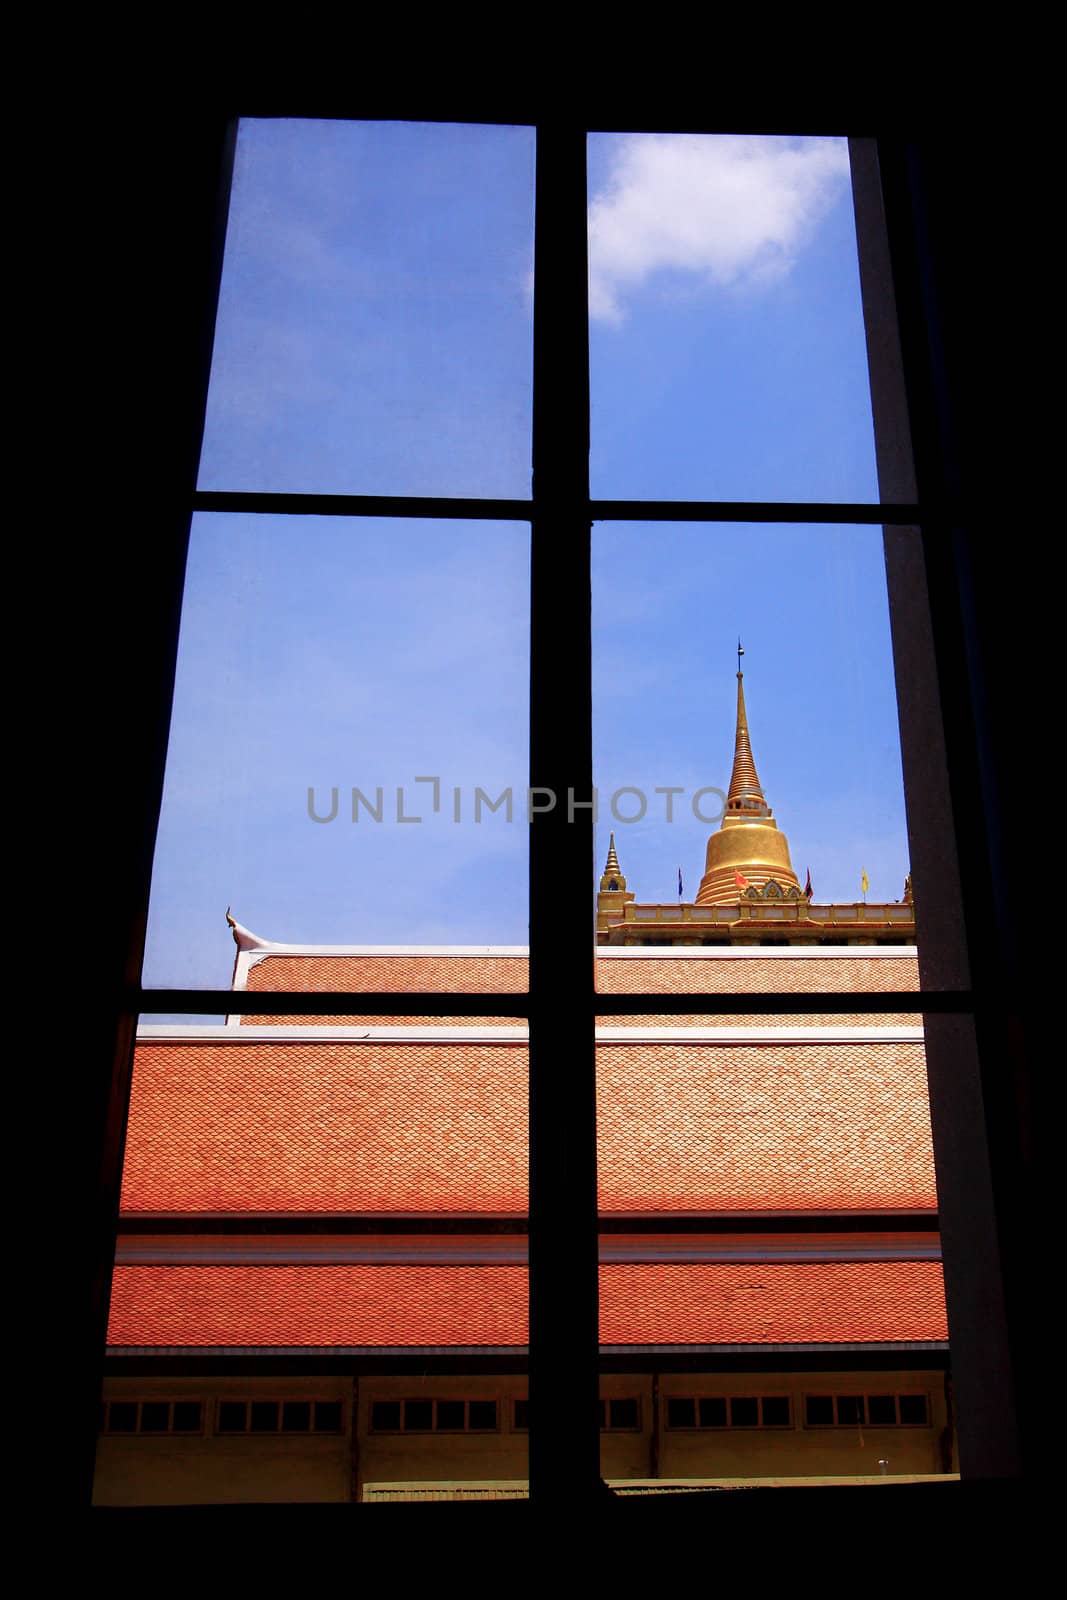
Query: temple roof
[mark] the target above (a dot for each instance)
(292, 1126)
(357, 1306)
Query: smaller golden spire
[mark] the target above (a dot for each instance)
(612, 880)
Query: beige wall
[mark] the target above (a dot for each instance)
(139, 1470)
(135, 1470)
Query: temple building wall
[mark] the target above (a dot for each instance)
(643, 1438)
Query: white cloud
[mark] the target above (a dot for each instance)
(728, 208)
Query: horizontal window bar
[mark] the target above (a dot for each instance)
(182, 1224)
(355, 505)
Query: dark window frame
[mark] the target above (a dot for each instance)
(913, 178)
(865, 1396)
(435, 1427)
(139, 1431)
(730, 1426)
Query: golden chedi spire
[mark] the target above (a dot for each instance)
(748, 852)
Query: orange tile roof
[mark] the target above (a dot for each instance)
(416, 1306)
(361, 974)
(327, 1127)
(760, 1127)
(497, 974)
(756, 975)
(295, 1126)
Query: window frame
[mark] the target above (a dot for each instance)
(564, 1357)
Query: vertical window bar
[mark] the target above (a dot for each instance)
(564, 1435)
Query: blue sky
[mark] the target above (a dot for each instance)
(375, 337)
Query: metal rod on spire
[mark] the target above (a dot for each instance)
(740, 653)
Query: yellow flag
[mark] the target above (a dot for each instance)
(865, 882)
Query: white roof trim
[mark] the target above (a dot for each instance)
(266, 947)
(252, 943)
(791, 1033)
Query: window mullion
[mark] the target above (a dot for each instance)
(564, 1432)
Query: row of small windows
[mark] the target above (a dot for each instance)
(231, 1416)
(820, 1411)
(433, 1416)
(617, 1414)
(480, 1416)
(874, 1410)
(733, 1411)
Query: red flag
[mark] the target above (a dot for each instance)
(742, 883)
(808, 891)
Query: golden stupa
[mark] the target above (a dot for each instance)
(748, 852)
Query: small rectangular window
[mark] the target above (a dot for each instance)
(233, 1416)
(418, 1416)
(385, 1416)
(155, 1416)
(624, 1415)
(881, 1409)
(122, 1416)
(264, 1416)
(913, 1409)
(775, 1411)
(849, 1410)
(187, 1415)
(819, 1410)
(681, 1413)
(296, 1416)
(329, 1416)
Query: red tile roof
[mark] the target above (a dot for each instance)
(294, 1126)
(760, 1127)
(756, 975)
(496, 974)
(360, 974)
(324, 1127)
(390, 1306)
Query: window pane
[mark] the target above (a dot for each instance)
(881, 1409)
(712, 1413)
(727, 349)
(374, 329)
(913, 1408)
(155, 1416)
(233, 1416)
(292, 1191)
(348, 754)
(725, 810)
(766, 1178)
(187, 1416)
(849, 1409)
(775, 1410)
(296, 1416)
(483, 1414)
